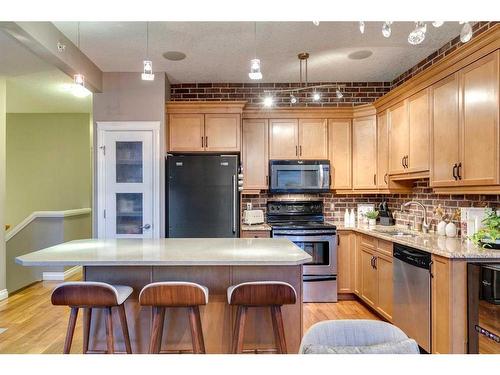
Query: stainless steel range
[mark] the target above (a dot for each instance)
(303, 223)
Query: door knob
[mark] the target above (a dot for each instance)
(147, 226)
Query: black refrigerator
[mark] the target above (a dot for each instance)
(202, 196)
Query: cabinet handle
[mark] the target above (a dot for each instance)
(371, 262)
(375, 262)
(300, 150)
(206, 141)
(338, 240)
(403, 161)
(202, 142)
(385, 178)
(374, 179)
(455, 171)
(430, 269)
(296, 151)
(459, 166)
(406, 161)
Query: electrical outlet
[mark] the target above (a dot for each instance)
(249, 206)
(332, 206)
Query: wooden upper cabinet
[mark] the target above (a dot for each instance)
(419, 128)
(283, 139)
(480, 130)
(255, 154)
(445, 129)
(339, 136)
(382, 151)
(364, 153)
(186, 132)
(399, 137)
(313, 139)
(222, 132)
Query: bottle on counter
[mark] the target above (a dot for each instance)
(347, 219)
(352, 219)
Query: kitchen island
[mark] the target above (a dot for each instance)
(213, 262)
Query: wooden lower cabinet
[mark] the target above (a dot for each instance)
(449, 305)
(383, 264)
(255, 234)
(369, 283)
(346, 262)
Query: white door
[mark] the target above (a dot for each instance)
(127, 184)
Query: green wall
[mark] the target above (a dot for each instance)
(3, 96)
(48, 163)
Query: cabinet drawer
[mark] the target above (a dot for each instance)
(384, 247)
(367, 241)
(255, 234)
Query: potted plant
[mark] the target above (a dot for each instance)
(489, 235)
(372, 218)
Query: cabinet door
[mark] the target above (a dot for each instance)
(440, 316)
(186, 132)
(222, 132)
(345, 262)
(283, 139)
(419, 121)
(384, 273)
(382, 151)
(399, 137)
(480, 134)
(255, 155)
(313, 139)
(444, 131)
(364, 148)
(339, 135)
(369, 283)
(357, 264)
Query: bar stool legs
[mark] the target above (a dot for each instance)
(87, 316)
(279, 331)
(71, 330)
(239, 329)
(157, 330)
(196, 332)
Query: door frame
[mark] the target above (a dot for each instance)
(109, 126)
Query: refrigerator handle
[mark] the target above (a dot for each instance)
(234, 203)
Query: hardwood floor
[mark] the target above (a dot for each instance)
(34, 326)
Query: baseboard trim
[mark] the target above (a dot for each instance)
(61, 275)
(3, 294)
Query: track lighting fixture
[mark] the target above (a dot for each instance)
(316, 23)
(437, 24)
(386, 29)
(417, 36)
(293, 99)
(466, 32)
(362, 27)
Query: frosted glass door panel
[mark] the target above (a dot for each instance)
(129, 213)
(129, 162)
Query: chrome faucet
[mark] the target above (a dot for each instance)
(425, 224)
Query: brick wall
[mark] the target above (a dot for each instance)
(452, 45)
(335, 205)
(355, 93)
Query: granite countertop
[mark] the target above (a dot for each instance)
(262, 226)
(170, 252)
(443, 246)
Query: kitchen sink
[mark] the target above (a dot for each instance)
(396, 233)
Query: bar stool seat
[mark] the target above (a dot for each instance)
(271, 294)
(89, 295)
(161, 295)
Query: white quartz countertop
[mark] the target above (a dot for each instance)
(170, 252)
(455, 248)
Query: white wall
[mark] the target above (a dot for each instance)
(125, 97)
(3, 100)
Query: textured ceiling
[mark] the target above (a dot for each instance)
(220, 51)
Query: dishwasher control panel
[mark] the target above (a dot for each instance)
(417, 258)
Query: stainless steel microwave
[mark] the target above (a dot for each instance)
(299, 176)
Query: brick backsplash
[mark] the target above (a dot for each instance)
(355, 93)
(335, 205)
(478, 28)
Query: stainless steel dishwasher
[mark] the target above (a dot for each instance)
(412, 293)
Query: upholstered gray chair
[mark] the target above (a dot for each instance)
(356, 337)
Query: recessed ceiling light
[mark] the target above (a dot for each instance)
(360, 55)
(174, 55)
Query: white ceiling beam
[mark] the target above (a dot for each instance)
(42, 39)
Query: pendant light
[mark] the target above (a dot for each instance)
(466, 32)
(255, 72)
(417, 36)
(437, 24)
(362, 27)
(79, 90)
(386, 29)
(147, 74)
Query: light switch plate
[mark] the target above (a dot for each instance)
(249, 206)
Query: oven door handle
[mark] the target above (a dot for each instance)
(316, 279)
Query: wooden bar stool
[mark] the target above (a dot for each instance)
(271, 294)
(165, 294)
(89, 295)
